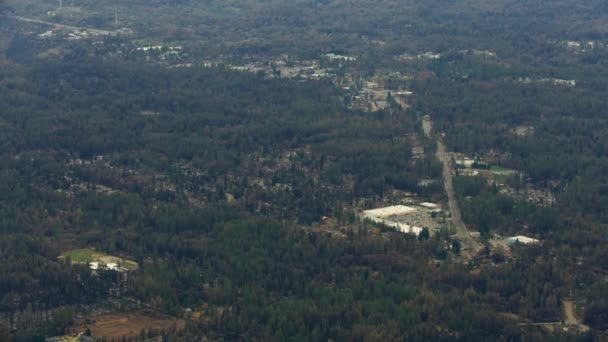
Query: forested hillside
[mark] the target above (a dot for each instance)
(201, 170)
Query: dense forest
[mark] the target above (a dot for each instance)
(175, 141)
(87, 163)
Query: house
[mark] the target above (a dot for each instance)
(523, 240)
(429, 205)
(465, 162)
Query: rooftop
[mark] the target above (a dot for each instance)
(522, 239)
(429, 205)
(395, 210)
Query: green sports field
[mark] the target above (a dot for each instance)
(85, 255)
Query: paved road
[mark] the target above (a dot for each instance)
(61, 26)
(469, 245)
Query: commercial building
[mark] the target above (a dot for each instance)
(389, 216)
(388, 212)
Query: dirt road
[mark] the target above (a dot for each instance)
(60, 26)
(400, 101)
(570, 317)
(568, 321)
(427, 126)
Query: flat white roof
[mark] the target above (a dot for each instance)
(400, 227)
(429, 205)
(404, 228)
(523, 239)
(395, 210)
(95, 265)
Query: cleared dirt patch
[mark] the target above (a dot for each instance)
(131, 324)
(570, 316)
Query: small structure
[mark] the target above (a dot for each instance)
(333, 57)
(111, 266)
(523, 240)
(465, 162)
(468, 172)
(429, 205)
(403, 93)
(404, 228)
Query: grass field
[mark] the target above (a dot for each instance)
(81, 256)
(85, 256)
(495, 168)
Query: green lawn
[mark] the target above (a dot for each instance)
(81, 255)
(85, 255)
(496, 168)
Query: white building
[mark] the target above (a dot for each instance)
(465, 162)
(111, 266)
(523, 240)
(387, 212)
(386, 215)
(429, 205)
(404, 228)
(333, 57)
(398, 226)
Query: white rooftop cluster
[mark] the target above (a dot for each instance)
(429, 205)
(523, 240)
(159, 48)
(111, 266)
(396, 210)
(384, 216)
(333, 57)
(403, 228)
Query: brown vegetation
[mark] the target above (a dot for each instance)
(116, 325)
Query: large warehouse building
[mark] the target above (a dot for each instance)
(387, 216)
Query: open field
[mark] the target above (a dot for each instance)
(85, 256)
(495, 168)
(80, 256)
(117, 325)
